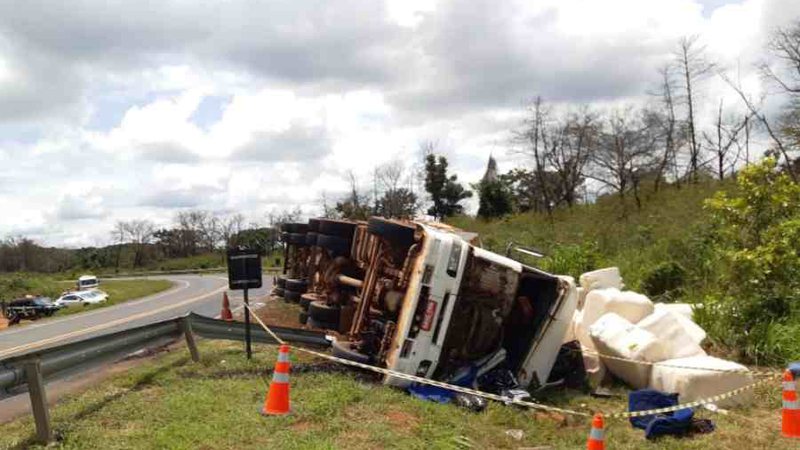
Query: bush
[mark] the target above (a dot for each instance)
(665, 281)
(757, 244)
(573, 259)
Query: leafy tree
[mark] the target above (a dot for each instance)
(495, 199)
(445, 191)
(398, 203)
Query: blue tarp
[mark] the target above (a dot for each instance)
(675, 423)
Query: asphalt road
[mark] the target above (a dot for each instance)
(201, 294)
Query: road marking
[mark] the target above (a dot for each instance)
(170, 291)
(38, 344)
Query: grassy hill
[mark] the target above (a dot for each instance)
(607, 233)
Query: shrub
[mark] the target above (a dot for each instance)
(573, 259)
(756, 241)
(664, 280)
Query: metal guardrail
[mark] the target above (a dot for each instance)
(34, 367)
(81, 355)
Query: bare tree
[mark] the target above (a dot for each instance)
(533, 140)
(230, 227)
(694, 67)
(671, 129)
(624, 152)
(726, 134)
(392, 197)
(139, 233)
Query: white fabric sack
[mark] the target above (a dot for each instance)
(630, 305)
(694, 330)
(683, 309)
(596, 305)
(595, 369)
(669, 328)
(602, 278)
(696, 384)
(617, 337)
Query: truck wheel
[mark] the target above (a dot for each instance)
(321, 325)
(303, 318)
(295, 227)
(395, 232)
(313, 225)
(344, 350)
(13, 318)
(292, 296)
(311, 238)
(280, 281)
(278, 292)
(296, 239)
(307, 298)
(296, 284)
(338, 228)
(337, 245)
(322, 312)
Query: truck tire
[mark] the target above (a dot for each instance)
(280, 281)
(396, 233)
(313, 225)
(13, 318)
(338, 228)
(321, 325)
(295, 227)
(344, 350)
(338, 246)
(296, 239)
(311, 238)
(322, 312)
(307, 298)
(296, 284)
(303, 318)
(278, 292)
(292, 296)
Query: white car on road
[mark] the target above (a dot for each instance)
(82, 298)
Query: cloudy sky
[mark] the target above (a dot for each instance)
(117, 110)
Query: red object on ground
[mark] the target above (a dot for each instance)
(790, 426)
(277, 401)
(596, 441)
(226, 313)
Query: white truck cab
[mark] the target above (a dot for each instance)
(87, 282)
(435, 304)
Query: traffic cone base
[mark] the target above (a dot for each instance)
(277, 401)
(596, 438)
(790, 420)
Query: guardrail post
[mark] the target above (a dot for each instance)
(186, 325)
(33, 372)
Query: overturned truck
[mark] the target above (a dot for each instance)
(422, 299)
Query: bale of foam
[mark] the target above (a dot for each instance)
(601, 279)
(669, 327)
(595, 369)
(596, 304)
(630, 305)
(691, 379)
(685, 312)
(616, 337)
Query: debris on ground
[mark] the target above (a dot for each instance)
(647, 345)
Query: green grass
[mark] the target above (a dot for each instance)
(173, 403)
(119, 291)
(635, 240)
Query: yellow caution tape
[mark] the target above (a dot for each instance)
(509, 400)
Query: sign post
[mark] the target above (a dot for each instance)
(244, 272)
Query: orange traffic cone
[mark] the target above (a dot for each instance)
(277, 401)
(791, 407)
(226, 313)
(595, 441)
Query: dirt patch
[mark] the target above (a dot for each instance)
(401, 417)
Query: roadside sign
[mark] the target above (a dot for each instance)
(244, 269)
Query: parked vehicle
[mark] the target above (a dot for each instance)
(81, 298)
(422, 299)
(87, 282)
(29, 308)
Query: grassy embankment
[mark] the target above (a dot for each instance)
(173, 403)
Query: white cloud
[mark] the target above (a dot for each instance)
(98, 104)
